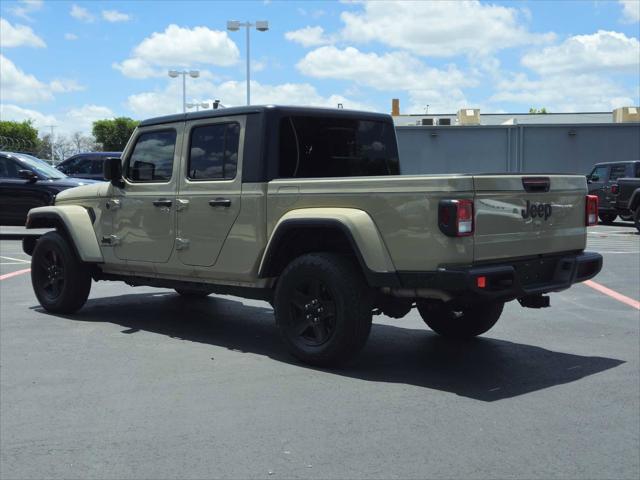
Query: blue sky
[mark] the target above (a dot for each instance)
(69, 63)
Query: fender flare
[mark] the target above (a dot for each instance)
(76, 222)
(634, 201)
(358, 227)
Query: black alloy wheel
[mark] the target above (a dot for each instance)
(61, 281)
(312, 313)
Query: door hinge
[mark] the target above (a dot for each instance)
(111, 240)
(182, 243)
(181, 204)
(113, 204)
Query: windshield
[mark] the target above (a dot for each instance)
(39, 166)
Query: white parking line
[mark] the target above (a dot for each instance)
(15, 259)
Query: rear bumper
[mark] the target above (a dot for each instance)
(512, 279)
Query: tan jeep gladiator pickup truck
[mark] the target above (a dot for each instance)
(306, 208)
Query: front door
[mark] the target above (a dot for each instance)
(143, 210)
(209, 192)
(597, 181)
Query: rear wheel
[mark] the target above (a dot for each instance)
(607, 218)
(627, 218)
(323, 308)
(455, 321)
(61, 281)
(636, 218)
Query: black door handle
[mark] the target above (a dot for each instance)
(162, 203)
(220, 202)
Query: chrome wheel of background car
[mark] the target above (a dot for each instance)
(313, 313)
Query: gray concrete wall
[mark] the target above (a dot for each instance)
(517, 148)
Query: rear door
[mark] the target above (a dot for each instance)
(513, 222)
(209, 192)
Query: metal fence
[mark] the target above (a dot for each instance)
(515, 148)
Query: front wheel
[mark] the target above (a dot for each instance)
(323, 308)
(607, 218)
(61, 281)
(457, 321)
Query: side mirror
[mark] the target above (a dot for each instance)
(28, 175)
(112, 171)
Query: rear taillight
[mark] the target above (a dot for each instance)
(614, 188)
(591, 210)
(455, 217)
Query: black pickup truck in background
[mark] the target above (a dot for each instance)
(603, 181)
(628, 199)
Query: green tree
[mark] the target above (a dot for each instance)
(19, 136)
(114, 134)
(536, 111)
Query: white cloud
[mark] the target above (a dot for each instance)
(179, 47)
(392, 71)
(601, 51)
(18, 35)
(388, 71)
(630, 10)
(78, 119)
(440, 28)
(115, 16)
(18, 86)
(565, 93)
(309, 37)
(232, 93)
(81, 13)
(70, 36)
(25, 7)
(19, 114)
(21, 87)
(81, 119)
(65, 86)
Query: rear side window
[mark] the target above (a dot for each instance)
(8, 168)
(213, 153)
(637, 170)
(320, 147)
(617, 171)
(152, 157)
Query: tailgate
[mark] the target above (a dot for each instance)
(513, 222)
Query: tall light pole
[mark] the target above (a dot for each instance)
(51, 142)
(184, 73)
(261, 26)
(198, 105)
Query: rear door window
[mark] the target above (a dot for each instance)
(213, 153)
(152, 157)
(617, 171)
(320, 147)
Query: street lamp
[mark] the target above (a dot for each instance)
(184, 73)
(261, 26)
(198, 105)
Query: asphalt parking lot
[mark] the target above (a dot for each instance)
(144, 384)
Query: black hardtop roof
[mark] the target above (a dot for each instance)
(615, 163)
(275, 109)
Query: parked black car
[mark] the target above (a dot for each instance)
(27, 182)
(603, 182)
(86, 165)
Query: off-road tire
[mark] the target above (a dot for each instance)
(342, 311)
(607, 218)
(61, 281)
(460, 322)
(636, 218)
(186, 292)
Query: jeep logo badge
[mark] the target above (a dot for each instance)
(533, 210)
